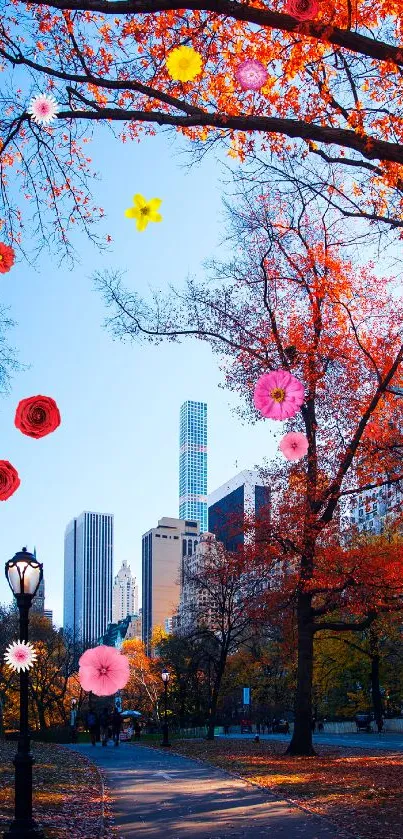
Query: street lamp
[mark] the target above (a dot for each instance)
(73, 720)
(165, 679)
(24, 575)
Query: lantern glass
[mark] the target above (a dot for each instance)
(165, 676)
(24, 573)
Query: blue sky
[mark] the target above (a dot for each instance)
(116, 450)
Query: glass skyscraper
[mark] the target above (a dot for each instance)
(193, 463)
(88, 560)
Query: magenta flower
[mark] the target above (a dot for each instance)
(251, 75)
(103, 670)
(278, 395)
(294, 445)
(302, 9)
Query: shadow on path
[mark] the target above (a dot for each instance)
(158, 794)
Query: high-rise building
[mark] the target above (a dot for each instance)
(164, 552)
(125, 594)
(193, 463)
(88, 562)
(230, 504)
(38, 602)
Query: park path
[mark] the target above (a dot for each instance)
(160, 795)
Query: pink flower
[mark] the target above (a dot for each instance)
(278, 395)
(302, 9)
(20, 655)
(43, 108)
(103, 670)
(251, 75)
(294, 445)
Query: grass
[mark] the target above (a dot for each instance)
(62, 782)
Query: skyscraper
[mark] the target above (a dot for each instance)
(125, 597)
(164, 552)
(88, 561)
(193, 463)
(243, 495)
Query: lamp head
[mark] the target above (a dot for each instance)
(165, 676)
(24, 573)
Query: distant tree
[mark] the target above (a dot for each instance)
(144, 688)
(224, 588)
(48, 678)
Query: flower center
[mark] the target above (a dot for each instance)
(303, 5)
(145, 211)
(103, 671)
(1, 257)
(278, 394)
(38, 415)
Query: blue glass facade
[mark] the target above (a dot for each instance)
(88, 562)
(193, 463)
(226, 516)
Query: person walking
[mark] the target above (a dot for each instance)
(116, 726)
(104, 721)
(92, 724)
(137, 730)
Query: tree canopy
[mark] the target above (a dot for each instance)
(333, 91)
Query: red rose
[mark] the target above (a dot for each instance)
(303, 9)
(37, 416)
(7, 257)
(9, 480)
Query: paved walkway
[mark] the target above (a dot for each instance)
(161, 795)
(392, 741)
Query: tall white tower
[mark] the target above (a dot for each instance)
(125, 597)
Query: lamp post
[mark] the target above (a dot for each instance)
(24, 575)
(165, 679)
(73, 720)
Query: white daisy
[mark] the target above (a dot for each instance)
(20, 655)
(43, 108)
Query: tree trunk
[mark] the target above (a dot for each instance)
(301, 742)
(375, 688)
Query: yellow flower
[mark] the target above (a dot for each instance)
(184, 64)
(144, 211)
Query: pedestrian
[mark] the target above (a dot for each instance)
(104, 721)
(92, 723)
(137, 730)
(313, 725)
(129, 732)
(379, 724)
(116, 726)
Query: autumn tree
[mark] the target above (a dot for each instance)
(292, 298)
(361, 671)
(218, 585)
(332, 96)
(144, 688)
(49, 678)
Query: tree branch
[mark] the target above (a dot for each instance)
(352, 41)
(369, 147)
